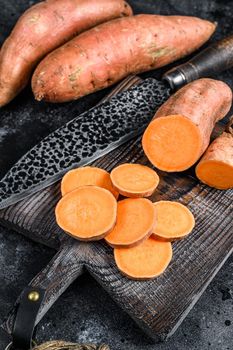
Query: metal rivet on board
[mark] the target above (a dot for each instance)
(33, 296)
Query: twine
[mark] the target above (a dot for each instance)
(62, 345)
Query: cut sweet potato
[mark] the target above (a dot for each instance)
(134, 180)
(106, 54)
(174, 221)
(87, 213)
(87, 176)
(215, 169)
(145, 261)
(181, 129)
(136, 220)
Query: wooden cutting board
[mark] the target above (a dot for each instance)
(159, 305)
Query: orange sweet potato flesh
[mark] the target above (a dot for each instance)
(44, 27)
(87, 176)
(215, 169)
(174, 221)
(181, 129)
(145, 261)
(87, 213)
(134, 180)
(136, 220)
(109, 52)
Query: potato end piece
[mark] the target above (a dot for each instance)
(87, 213)
(134, 180)
(136, 219)
(146, 261)
(172, 143)
(174, 221)
(215, 168)
(215, 173)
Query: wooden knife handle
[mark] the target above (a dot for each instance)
(215, 59)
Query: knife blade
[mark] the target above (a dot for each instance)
(82, 140)
(105, 127)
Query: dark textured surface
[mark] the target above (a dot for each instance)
(86, 313)
(160, 305)
(93, 314)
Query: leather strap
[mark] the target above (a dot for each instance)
(25, 319)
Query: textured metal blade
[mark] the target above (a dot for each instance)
(84, 139)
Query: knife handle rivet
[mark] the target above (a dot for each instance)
(33, 296)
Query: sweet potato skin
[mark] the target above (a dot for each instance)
(219, 153)
(44, 27)
(204, 101)
(109, 52)
(221, 149)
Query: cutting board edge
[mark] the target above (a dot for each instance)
(197, 297)
(28, 234)
(155, 337)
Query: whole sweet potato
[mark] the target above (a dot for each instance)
(44, 27)
(109, 52)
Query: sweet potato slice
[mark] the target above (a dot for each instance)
(134, 180)
(87, 213)
(215, 169)
(181, 129)
(145, 261)
(136, 220)
(174, 221)
(87, 176)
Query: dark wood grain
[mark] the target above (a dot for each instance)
(33, 217)
(159, 305)
(36, 219)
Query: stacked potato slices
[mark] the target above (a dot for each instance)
(139, 230)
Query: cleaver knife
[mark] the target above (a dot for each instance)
(105, 127)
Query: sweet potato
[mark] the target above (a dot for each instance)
(109, 52)
(134, 180)
(44, 27)
(87, 213)
(145, 261)
(136, 218)
(181, 129)
(215, 168)
(85, 176)
(174, 221)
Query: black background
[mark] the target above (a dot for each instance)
(85, 312)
